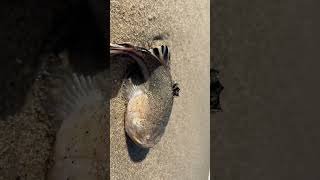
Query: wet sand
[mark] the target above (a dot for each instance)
(183, 152)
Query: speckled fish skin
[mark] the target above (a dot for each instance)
(81, 142)
(159, 101)
(149, 104)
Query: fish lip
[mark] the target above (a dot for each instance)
(141, 144)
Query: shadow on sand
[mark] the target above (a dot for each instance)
(136, 153)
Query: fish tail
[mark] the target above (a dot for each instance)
(131, 51)
(79, 91)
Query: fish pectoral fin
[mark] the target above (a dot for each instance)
(175, 89)
(79, 91)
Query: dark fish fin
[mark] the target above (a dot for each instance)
(175, 89)
(162, 53)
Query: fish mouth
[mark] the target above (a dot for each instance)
(142, 142)
(143, 145)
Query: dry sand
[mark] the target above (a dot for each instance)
(183, 152)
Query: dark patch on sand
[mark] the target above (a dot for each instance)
(136, 153)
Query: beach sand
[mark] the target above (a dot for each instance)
(28, 130)
(183, 152)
